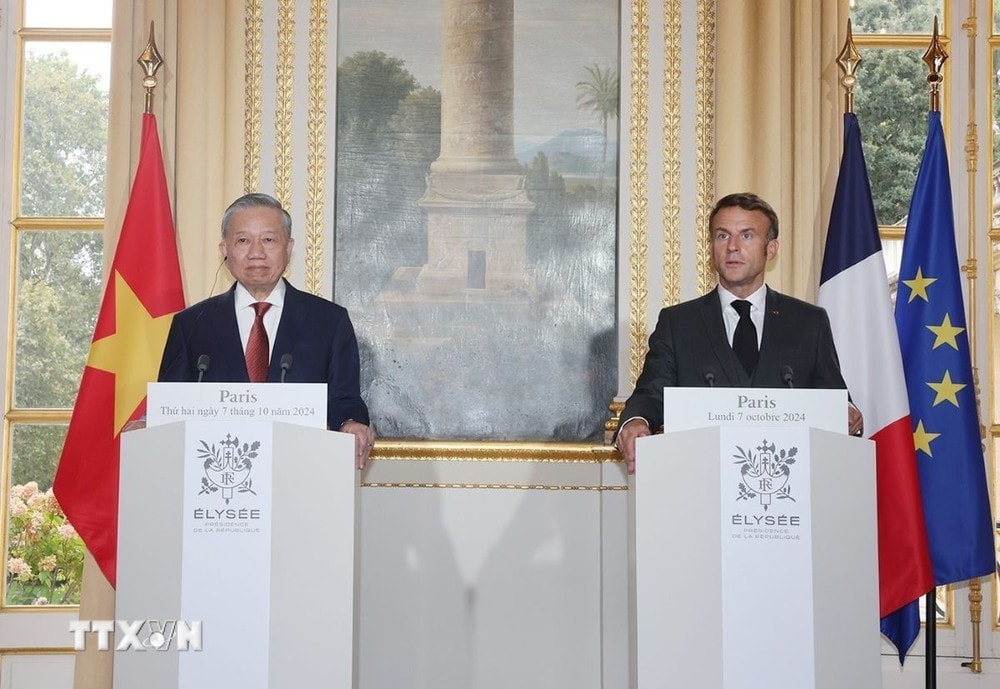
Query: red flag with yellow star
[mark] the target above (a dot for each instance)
(142, 293)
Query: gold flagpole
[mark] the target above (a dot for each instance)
(150, 62)
(849, 59)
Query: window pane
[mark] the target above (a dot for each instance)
(91, 14)
(895, 16)
(893, 118)
(44, 554)
(892, 254)
(64, 131)
(58, 293)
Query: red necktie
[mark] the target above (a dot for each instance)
(257, 345)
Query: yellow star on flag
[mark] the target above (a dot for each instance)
(918, 286)
(946, 333)
(133, 352)
(922, 439)
(946, 390)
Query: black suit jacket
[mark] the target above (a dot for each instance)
(316, 332)
(690, 343)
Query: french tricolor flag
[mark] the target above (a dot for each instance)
(855, 293)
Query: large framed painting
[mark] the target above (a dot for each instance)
(476, 187)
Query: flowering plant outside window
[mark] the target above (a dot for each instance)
(45, 554)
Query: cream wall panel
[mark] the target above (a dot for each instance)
(44, 671)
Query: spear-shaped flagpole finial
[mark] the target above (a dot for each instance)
(849, 59)
(150, 61)
(934, 59)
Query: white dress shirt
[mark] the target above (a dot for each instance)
(731, 317)
(245, 314)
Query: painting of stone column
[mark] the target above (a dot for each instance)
(476, 213)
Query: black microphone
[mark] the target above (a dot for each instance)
(709, 377)
(787, 376)
(203, 362)
(286, 365)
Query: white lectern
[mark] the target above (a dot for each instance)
(755, 546)
(242, 530)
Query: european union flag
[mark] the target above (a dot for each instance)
(930, 318)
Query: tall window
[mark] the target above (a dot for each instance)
(55, 211)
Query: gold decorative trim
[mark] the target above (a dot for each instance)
(39, 416)
(971, 146)
(285, 82)
(71, 224)
(253, 33)
(638, 187)
(447, 455)
(897, 40)
(705, 135)
(316, 146)
(975, 595)
(491, 486)
(671, 152)
(475, 451)
(38, 650)
(54, 609)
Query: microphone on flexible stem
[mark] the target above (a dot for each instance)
(709, 377)
(286, 365)
(203, 362)
(787, 376)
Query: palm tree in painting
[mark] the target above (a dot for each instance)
(599, 94)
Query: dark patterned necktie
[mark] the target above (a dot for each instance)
(257, 345)
(745, 337)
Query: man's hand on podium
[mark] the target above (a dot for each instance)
(855, 421)
(135, 425)
(364, 440)
(625, 442)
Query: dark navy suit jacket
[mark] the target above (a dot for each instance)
(317, 333)
(690, 343)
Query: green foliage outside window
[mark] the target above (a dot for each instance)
(64, 139)
(895, 16)
(45, 561)
(892, 100)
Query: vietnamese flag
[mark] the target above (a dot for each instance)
(142, 293)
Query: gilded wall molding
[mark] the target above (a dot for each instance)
(253, 69)
(705, 128)
(671, 152)
(284, 93)
(493, 465)
(492, 486)
(638, 187)
(454, 450)
(316, 146)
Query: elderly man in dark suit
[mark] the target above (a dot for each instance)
(742, 334)
(263, 329)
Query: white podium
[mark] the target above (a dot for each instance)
(244, 531)
(755, 550)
